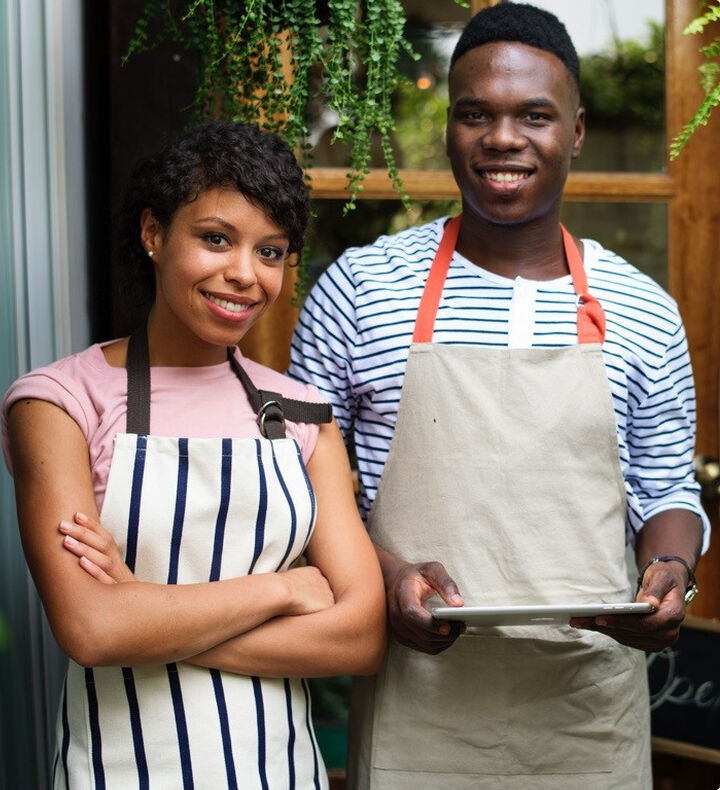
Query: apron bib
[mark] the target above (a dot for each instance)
(504, 466)
(186, 510)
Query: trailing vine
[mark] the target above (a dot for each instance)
(265, 61)
(709, 77)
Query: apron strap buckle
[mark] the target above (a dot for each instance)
(271, 420)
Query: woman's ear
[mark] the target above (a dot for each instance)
(150, 232)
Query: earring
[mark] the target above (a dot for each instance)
(151, 253)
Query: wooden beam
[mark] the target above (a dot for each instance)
(686, 750)
(694, 273)
(331, 183)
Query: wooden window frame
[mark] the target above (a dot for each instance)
(688, 188)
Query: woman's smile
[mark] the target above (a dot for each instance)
(238, 307)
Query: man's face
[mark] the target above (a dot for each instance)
(514, 125)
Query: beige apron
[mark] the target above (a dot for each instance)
(504, 466)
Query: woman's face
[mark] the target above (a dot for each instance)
(218, 267)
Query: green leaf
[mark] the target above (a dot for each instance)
(699, 24)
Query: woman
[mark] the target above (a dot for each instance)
(209, 473)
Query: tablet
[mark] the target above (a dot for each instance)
(556, 614)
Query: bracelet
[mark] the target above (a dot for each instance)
(690, 591)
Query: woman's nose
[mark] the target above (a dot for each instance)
(241, 268)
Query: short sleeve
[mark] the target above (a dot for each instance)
(54, 385)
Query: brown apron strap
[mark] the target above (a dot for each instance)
(272, 409)
(138, 383)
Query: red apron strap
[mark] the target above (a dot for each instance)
(590, 315)
(425, 321)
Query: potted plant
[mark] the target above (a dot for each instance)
(269, 62)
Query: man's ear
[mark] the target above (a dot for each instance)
(447, 121)
(579, 132)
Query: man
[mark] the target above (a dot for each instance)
(546, 419)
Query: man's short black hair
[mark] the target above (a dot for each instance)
(523, 23)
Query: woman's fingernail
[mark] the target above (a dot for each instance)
(70, 541)
(81, 517)
(64, 526)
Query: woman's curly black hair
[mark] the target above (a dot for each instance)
(215, 154)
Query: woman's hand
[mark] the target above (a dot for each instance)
(96, 550)
(308, 590)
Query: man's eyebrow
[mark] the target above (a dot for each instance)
(539, 101)
(535, 101)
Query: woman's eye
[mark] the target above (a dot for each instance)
(215, 239)
(271, 253)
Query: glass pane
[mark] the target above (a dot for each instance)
(331, 232)
(420, 104)
(635, 231)
(622, 50)
(621, 46)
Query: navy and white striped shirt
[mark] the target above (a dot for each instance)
(354, 333)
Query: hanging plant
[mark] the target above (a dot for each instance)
(265, 61)
(709, 77)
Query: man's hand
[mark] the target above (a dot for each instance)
(663, 585)
(672, 532)
(411, 623)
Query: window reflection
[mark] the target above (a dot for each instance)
(331, 231)
(635, 231)
(621, 46)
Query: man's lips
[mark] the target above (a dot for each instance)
(504, 175)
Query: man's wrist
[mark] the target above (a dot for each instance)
(691, 589)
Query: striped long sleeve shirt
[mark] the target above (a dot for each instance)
(354, 333)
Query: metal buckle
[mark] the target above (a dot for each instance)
(690, 593)
(262, 415)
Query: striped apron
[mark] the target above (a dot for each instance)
(187, 510)
(504, 466)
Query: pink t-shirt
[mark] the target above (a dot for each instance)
(203, 402)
